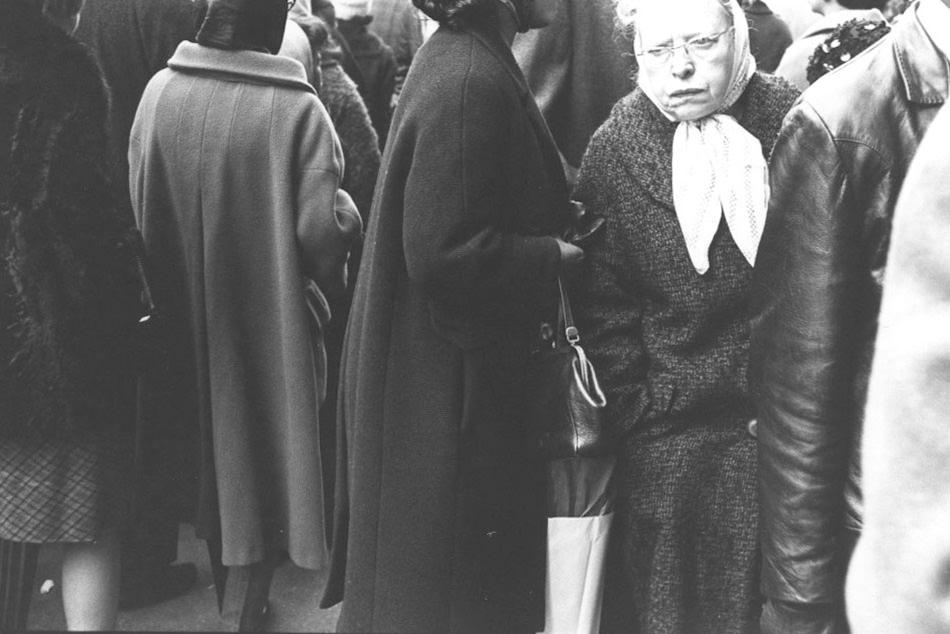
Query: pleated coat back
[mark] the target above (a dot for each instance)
(235, 172)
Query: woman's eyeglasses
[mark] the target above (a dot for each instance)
(700, 47)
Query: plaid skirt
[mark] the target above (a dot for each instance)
(57, 490)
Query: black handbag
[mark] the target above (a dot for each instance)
(565, 411)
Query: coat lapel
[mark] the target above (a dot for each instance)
(651, 167)
(491, 40)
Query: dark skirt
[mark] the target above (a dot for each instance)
(685, 535)
(58, 490)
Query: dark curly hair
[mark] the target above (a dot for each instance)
(843, 44)
(451, 12)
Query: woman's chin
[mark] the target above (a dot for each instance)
(688, 108)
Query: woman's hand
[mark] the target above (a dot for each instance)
(572, 257)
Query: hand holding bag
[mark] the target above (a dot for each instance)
(565, 413)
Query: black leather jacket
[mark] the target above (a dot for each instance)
(837, 169)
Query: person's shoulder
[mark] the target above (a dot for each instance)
(633, 117)
(869, 79)
(772, 92)
(66, 74)
(455, 64)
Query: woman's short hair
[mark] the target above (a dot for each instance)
(450, 12)
(244, 25)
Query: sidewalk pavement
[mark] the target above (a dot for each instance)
(294, 598)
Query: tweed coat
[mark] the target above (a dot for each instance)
(235, 172)
(440, 523)
(671, 348)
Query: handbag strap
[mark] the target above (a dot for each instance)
(566, 316)
(571, 334)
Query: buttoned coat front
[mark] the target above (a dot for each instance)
(443, 503)
(235, 172)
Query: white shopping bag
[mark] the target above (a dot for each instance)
(577, 548)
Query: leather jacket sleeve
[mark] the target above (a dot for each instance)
(811, 283)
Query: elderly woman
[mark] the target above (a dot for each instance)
(679, 172)
(235, 172)
(67, 297)
(444, 505)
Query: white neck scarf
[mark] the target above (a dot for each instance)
(718, 166)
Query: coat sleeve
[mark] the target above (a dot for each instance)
(803, 361)
(896, 579)
(609, 308)
(328, 224)
(456, 235)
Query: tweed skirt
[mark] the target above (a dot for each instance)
(57, 490)
(685, 543)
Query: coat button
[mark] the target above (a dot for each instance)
(753, 428)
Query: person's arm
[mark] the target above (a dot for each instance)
(458, 208)
(805, 297)
(608, 306)
(896, 580)
(328, 223)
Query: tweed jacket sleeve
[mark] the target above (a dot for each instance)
(811, 284)
(459, 234)
(609, 308)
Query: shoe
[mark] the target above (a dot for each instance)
(144, 589)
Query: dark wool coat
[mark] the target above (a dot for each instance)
(68, 288)
(132, 40)
(578, 67)
(442, 504)
(769, 36)
(671, 347)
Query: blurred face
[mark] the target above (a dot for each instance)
(685, 51)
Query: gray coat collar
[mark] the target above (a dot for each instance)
(251, 66)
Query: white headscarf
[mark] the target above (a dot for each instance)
(718, 166)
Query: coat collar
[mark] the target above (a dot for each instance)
(252, 66)
(924, 71)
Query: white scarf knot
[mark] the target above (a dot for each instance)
(719, 170)
(718, 166)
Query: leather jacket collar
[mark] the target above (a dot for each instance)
(925, 72)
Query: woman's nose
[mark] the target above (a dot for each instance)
(681, 65)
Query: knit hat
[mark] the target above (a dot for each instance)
(349, 9)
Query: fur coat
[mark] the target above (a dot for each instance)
(68, 294)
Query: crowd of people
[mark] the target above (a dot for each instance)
(278, 269)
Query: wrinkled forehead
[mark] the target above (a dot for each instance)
(660, 20)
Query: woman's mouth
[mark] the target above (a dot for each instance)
(686, 92)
